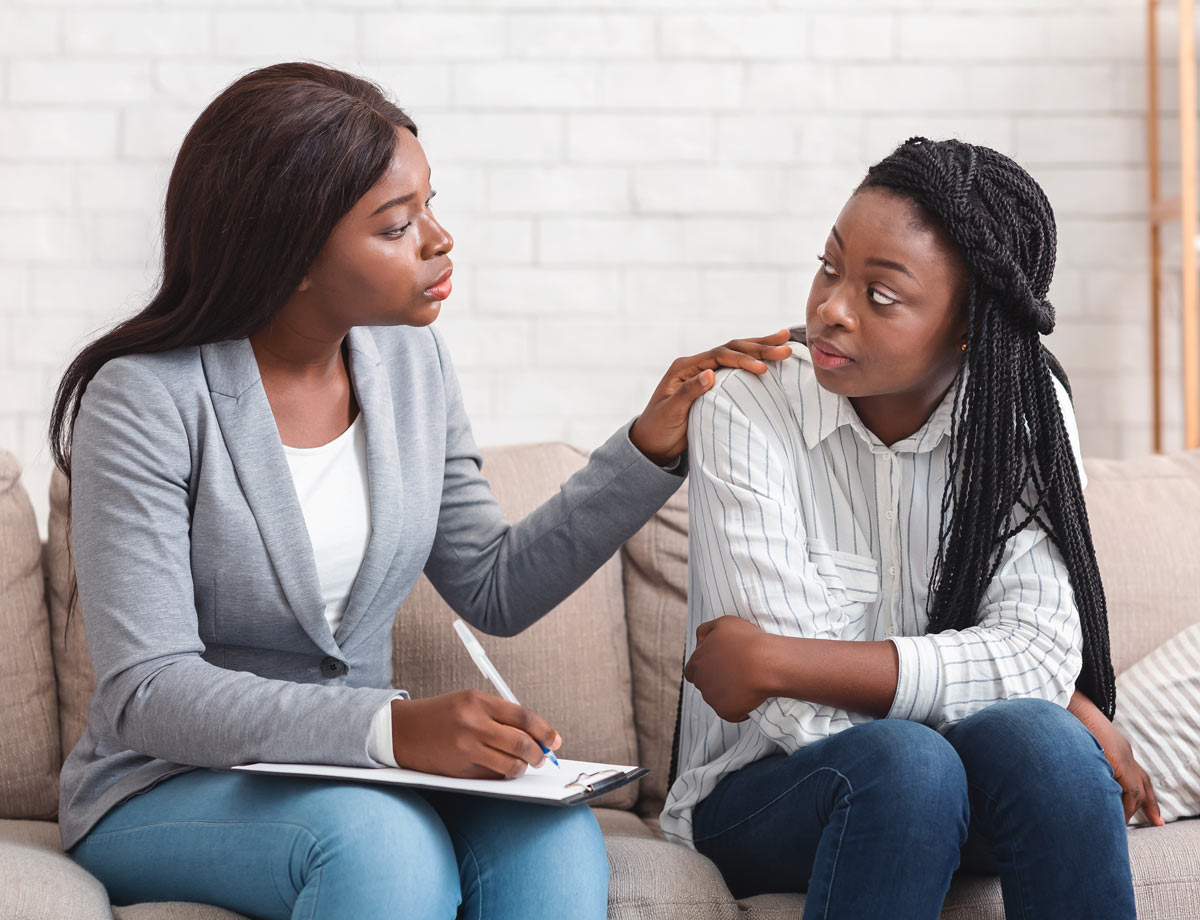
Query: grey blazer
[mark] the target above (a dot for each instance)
(197, 580)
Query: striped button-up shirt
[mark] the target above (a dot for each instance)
(806, 524)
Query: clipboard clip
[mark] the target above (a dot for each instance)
(588, 781)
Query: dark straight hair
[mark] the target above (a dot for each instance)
(263, 176)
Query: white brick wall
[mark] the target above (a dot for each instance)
(627, 180)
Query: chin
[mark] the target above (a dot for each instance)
(418, 317)
(837, 382)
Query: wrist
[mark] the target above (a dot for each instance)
(656, 457)
(776, 655)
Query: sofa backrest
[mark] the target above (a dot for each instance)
(1145, 516)
(656, 584)
(572, 666)
(29, 748)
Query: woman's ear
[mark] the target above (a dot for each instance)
(304, 285)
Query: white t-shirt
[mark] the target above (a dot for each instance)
(335, 498)
(331, 483)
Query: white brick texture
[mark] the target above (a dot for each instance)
(626, 180)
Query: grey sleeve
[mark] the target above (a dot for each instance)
(502, 578)
(131, 466)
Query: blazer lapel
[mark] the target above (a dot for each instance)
(373, 389)
(252, 439)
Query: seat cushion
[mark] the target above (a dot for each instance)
(572, 666)
(37, 882)
(29, 746)
(654, 879)
(173, 910)
(616, 822)
(1145, 517)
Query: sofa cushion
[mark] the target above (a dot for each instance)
(1145, 516)
(173, 910)
(37, 882)
(1160, 717)
(656, 584)
(29, 751)
(616, 822)
(72, 663)
(1166, 870)
(654, 879)
(572, 666)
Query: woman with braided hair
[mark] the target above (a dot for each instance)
(900, 639)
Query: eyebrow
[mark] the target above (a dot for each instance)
(883, 263)
(403, 199)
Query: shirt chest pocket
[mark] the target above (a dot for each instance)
(849, 578)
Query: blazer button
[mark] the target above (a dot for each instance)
(331, 667)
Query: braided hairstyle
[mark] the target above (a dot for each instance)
(1010, 461)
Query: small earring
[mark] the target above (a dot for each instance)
(964, 346)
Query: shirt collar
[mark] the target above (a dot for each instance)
(833, 411)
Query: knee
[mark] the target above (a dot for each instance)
(913, 773)
(1025, 735)
(562, 847)
(1036, 744)
(376, 832)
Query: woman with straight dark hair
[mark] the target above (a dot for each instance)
(262, 462)
(900, 634)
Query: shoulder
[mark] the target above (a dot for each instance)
(142, 379)
(779, 394)
(768, 408)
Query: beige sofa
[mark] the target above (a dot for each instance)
(604, 668)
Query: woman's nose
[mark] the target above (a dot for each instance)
(835, 311)
(439, 241)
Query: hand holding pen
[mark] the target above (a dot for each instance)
(479, 656)
(469, 734)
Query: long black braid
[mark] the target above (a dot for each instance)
(1010, 459)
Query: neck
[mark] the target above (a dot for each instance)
(892, 417)
(298, 349)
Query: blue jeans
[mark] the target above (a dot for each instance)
(873, 821)
(274, 848)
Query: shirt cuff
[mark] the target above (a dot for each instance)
(379, 738)
(919, 682)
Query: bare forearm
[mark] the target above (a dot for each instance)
(856, 676)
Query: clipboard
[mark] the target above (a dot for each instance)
(574, 781)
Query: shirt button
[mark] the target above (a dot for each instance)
(891, 631)
(891, 570)
(331, 667)
(888, 514)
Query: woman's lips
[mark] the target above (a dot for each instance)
(441, 289)
(824, 356)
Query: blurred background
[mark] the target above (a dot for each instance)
(626, 180)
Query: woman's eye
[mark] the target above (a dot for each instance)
(877, 296)
(398, 232)
(826, 269)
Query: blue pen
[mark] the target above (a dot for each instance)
(479, 656)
